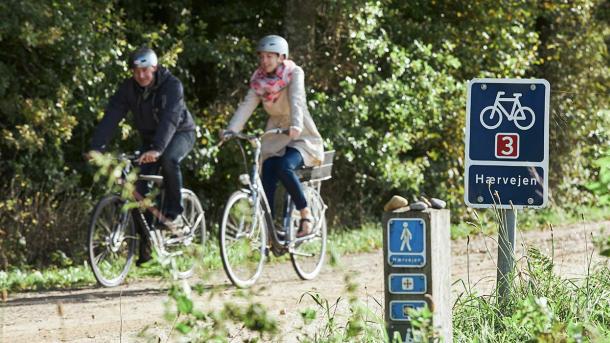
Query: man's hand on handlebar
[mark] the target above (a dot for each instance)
(149, 157)
(91, 155)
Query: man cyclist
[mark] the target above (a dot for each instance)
(156, 100)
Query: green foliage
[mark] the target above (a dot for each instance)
(601, 187)
(385, 82)
(197, 325)
(67, 277)
(360, 325)
(570, 34)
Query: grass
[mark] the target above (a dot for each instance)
(544, 307)
(343, 242)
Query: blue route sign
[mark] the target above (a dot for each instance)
(406, 242)
(399, 309)
(507, 143)
(407, 283)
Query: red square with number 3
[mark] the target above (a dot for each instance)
(507, 145)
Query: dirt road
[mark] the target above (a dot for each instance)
(120, 314)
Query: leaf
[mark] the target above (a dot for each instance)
(185, 305)
(184, 328)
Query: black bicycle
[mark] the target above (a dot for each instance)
(247, 230)
(112, 231)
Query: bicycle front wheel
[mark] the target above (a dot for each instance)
(112, 241)
(192, 245)
(242, 239)
(307, 254)
(491, 117)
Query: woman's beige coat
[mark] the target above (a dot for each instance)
(290, 110)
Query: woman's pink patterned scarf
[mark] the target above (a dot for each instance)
(268, 86)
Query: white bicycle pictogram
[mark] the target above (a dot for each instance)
(523, 116)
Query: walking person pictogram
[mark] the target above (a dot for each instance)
(406, 237)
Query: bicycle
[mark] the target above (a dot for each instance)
(518, 113)
(247, 230)
(112, 232)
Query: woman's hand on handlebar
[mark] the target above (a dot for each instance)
(225, 135)
(294, 132)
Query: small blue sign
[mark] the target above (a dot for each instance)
(399, 309)
(507, 143)
(524, 184)
(406, 242)
(407, 283)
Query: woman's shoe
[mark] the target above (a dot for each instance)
(302, 232)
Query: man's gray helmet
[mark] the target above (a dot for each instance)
(273, 43)
(143, 57)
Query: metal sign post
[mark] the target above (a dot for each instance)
(506, 251)
(507, 155)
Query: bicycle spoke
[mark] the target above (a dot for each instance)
(104, 225)
(242, 241)
(186, 250)
(234, 230)
(101, 256)
(307, 253)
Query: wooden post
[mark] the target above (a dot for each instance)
(417, 269)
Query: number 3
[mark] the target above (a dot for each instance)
(509, 141)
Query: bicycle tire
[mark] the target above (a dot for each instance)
(524, 111)
(242, 260)
(191, 248)
(491, 116)
(111, 231)
(308, 267)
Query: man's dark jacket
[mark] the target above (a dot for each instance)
(159, 111)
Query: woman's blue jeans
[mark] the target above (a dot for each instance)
(282, 168)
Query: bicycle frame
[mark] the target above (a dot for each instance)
(516, 104)
(255, 188)
(157, 238)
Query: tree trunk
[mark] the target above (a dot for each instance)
(299, 29)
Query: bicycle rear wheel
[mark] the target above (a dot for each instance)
(307, 254)
(190, 248)
(112, 241)
(242, 239)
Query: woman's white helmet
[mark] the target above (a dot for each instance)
(273, 43)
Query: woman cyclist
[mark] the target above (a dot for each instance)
(279, 84)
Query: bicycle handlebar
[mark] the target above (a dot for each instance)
(251, 138)
(133, 158)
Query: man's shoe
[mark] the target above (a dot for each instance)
(144, 254)
(143, 259)
(176, 226)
